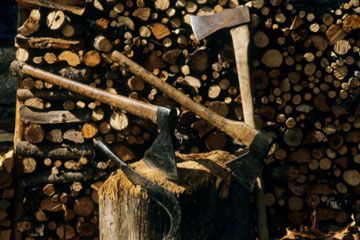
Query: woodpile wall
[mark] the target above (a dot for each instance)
(305, 71)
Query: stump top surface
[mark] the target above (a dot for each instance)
(194, 171)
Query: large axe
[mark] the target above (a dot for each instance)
(161, 154)
(237, 18)
(246, 167)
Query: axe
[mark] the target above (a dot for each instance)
(202, 27)
(161, 196)
(161, 154)
(246, 167)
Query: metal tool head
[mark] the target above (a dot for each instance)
(203, 26)
(161, 154)
(247, 167)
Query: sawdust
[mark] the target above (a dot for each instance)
(194, 170)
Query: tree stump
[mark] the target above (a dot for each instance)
(213, 205)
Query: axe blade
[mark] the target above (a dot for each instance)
(161, 154)
(247, 167)
(203, 26)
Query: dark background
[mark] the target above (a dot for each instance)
(8, 16)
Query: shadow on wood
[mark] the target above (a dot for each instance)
(213, 205)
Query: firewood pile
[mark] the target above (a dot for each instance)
(6, 192)
(305, 75)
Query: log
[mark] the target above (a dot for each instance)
(102, 44)
(7, 161)
(204, 203)
(68, 151)
(75, 74)
(74, 6)
(46, 43)
(62, 177)
(68, 30)
(29, 165)
(55, 117)
(92, 58)
(73, 136)
(32, 24)
(55, 20)
(89, 130)
(55, 136)
(34, 133)
(70, 57)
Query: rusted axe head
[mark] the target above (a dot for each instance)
(203, 26)
(161, 154)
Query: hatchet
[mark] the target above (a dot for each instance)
(161, 154)
(237, 18)
(246, 167)
(161, 196)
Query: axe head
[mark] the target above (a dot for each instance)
(203, 26)
(161, 154)
(247, 167)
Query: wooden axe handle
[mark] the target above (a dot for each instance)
(241, 39)
(136, 107)
(235, 129)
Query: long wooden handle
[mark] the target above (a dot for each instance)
(241, 38)
(235, 129)
(132, 106)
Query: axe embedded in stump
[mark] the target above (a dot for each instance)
(161, 154)
(247, 166)
(236, 18)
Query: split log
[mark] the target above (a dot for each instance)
(7, 161)
(29, 164)
(70, 57)
(23, 94)
(75, 74)
(55, 117)
(34, 133)
(55, 136)
(32, 24)
(67, 151)
(55, 20)
(74, 136)
(74, 6)
(204, 203)
(46, 43)
(62, 177)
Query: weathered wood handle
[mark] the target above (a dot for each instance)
(235, 129)
(136, 107)
(241, 39)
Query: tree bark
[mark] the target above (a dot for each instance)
(127, 212)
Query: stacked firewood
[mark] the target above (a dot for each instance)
(6, 193)
(309, 58)
(305, 72)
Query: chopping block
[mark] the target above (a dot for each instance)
(213, 204)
